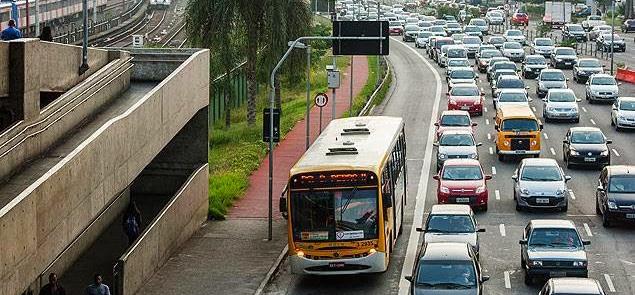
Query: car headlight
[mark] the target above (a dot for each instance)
(452, 101)
(535, 263)
(541, 86)
(473, 156)
(611, 205)
(524, 191)
(442, 156)
(579, 263)
(444, 190)
(480, 189)
(560, 192)
(558, 59)
(604, 153)
(551, 109)
(582, 72)
(574, 152)
(477, 102)
(621, 117)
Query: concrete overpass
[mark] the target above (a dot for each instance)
(74, 149)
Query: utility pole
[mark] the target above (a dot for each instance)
(94, 13)
(28, 24)
(612, 33)
(308, 95)
(84, 67)
(37, 16)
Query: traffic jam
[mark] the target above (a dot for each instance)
(533, 163)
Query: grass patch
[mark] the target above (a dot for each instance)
(362, 97)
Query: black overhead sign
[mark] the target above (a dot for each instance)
(361, 29)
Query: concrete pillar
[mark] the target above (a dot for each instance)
(24, 79)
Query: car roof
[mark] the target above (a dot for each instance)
(512, 90)
(561, 90)
(562, 47)
(626, 98)
(463, 69)
(583, 59)
(457, 131)
(508, 77)
(621, 169)
(575, 285)
(539, 161)
(450, 209)
(601, 75)
(542, 38)
(455, 112)
(534, 56)
(574, 129)
(552, 223)
(461, 162)
(552, 71)
(446, 251)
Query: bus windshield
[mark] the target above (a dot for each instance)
(335, 215)
(519, 125)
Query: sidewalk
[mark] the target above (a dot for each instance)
(233, 256)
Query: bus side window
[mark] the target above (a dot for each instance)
(387, 187)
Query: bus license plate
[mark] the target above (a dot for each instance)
(462, 200)
(520, 152)
(587, 159)
(630, 216)
(336, 264)
(542, 201)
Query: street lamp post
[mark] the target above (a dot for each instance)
(612, 32)
(300, 45)
(84, 67)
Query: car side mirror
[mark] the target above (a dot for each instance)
(526, 87)
(541, 126)
(567, 178)
(480, 230)
(578, 100)
(567, 79)
(488, 177)
(586, 243)
(565, 141)
(420, 229)
(544, 99)
(436, 124)
(474, 124)
(608, 141)
(614, 107)
(484, 279)
(530, 99)
(479, 144)
(482, 93)
(522, 242)
(600, 188)
(619, 83)
(514, 177)
(447, 93)
(435, 177)
(435, 144)
(408, 278)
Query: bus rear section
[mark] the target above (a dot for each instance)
(518, 132)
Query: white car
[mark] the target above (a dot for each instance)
(515, 36)
(471, 43)
(422, 39)
(542, 46)
(494, 18)
(623, 113)
(462, 76)
(561, 104)
(601, 87)
(512, 97)
(514, 51)
(456, 63)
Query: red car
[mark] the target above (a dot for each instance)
(395, 28)
(520, 18)
(462, 181)
(454, 120)
(467, 98)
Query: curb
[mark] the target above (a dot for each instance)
(273, 270)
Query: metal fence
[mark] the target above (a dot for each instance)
(237, 91)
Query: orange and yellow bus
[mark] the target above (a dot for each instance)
(346, 196)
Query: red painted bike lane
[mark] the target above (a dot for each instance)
(255, 202)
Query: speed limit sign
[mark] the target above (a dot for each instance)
(321, 99)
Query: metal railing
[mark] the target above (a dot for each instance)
(237, 91)
(369, 106)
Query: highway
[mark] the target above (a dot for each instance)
(417, 98)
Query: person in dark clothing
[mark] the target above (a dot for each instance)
(98, 287)
(46, 34)
(132, 222)
(10, 33)
(53, 287)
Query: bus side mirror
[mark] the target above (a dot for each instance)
(408, 278)
(496, 127)
(387, 200)
(541, 126)
(282, 205)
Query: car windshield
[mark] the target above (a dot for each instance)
(519, 125)
(458, 62)
(394, 23)
(410, 28)
(576, 28)
(472, 29)
(495, 14)
(627, 106)
(505, 65)
(496, 40)
(503, 73)
(437, 29)
(589, 63)
(456, 140)
(490, 53)
(471, 40)
(478, 22)
(510, 83)
(565, 51)
(452, 25)
(456, 52)
(595, 17)
(512, 97)
(561, 96)
(425, 34)
(469, 172)
(512, 45)
(541, 173)
(451, 274)
(439, 223)
(587, 137)
(552, 76)
(544, 42)
(536, 60)
(514, 33)
(622, 184)
(554, 238)
(603, 81)
(462, 74)
(455, 120)
(464, 91)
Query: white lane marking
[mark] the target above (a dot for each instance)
(508, 283)
(615, 152)
(571, 194)
(493, 170)
(498, 194)
(422, 187)
(584, 109)
(533, 108)
(592, 122)
(489, 136)
(486, 121)
(545, 134)
(609, 282)
(501, 228)
(491, 151)
(485, 109)
(588, 230)
(553, 152)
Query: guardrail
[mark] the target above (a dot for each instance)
(369, 106)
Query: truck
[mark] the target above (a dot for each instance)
(557, 13)
(592, 21)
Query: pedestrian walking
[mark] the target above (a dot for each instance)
(46, 34)
(98, 288)
(132, 222)
(10, 33)
(53, 287)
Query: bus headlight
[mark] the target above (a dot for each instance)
(506, 142)
(300, 253)
(372, 251)
(533, 142)
(444, 190)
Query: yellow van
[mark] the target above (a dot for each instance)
(517, 131)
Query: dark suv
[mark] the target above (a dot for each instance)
(615, 195)
(446, 268)
(574, 32)
(552, 248)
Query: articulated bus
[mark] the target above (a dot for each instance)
(346, 196)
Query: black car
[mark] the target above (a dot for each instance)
(410, 33)
(560, 286)
(586, 146)
(533, 65)
(563, 57)
(552, 248)
(444, 268)
(628, 26)
(585, 68)
(615, 195)
(575, 32)
(482, 59)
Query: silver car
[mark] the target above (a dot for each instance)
(515, 36)
(540, 183)
(456, 144)
(550, 79)
(623, 113)
(514, 51)
(456, 63)
(542, 46)
(601, 87)
(452, 223)
(561, 104)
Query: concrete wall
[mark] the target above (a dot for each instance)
(47, 216)
(59, 65)
(4, 69)
(174, 225)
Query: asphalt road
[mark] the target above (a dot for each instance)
(611, 253)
